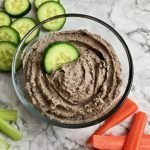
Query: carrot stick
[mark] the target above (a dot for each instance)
(106, 142)
(128, 108)
(117, 142)
(146, 140)
(134, 137)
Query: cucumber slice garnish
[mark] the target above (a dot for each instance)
(7, 50)
(9, 34)
(23, 25)
(5, 20)
(17, 8)
(58, 54)
(51, 9)
(37, 3)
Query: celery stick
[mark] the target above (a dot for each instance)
(10, 131)
(8, 114)
(4, 145)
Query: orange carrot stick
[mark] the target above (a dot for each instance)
(134, 137)
(128, 108)
(146, 140)
(117, 142)
(106, 142)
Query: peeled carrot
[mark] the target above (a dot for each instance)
(128, 108)
(134, 137)
(117, 142)
(106, 142)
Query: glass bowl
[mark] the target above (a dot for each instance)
(75, 22)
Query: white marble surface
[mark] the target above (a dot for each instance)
(131, 18)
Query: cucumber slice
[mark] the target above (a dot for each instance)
(17, 8)
(9, 34)
(7, 50)
(5, 20)
(51, 9)
(37, 3)
(58, 54)
(23, 26)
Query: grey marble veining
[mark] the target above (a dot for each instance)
(131, 18)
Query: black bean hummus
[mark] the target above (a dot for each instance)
(79, 91)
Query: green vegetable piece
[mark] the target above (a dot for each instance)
(23, 26)
(48, 10)
(4, 145)
(37, 3)
(7, 51)
(8, 114)
(57, 54)
(10, 131)
(9, 34)
(5, 20)
(17, 8)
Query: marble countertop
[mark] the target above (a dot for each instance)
(131, 18)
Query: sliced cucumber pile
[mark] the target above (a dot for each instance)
(9, 34)
(37, 3)
(23, 26)
(12, 32)
(58, 54)
(51, 9)
(7, 50)
(5, 20)
(17, 8)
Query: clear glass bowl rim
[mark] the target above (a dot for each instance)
(36, 113)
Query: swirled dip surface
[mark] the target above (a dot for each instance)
(80, 91)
